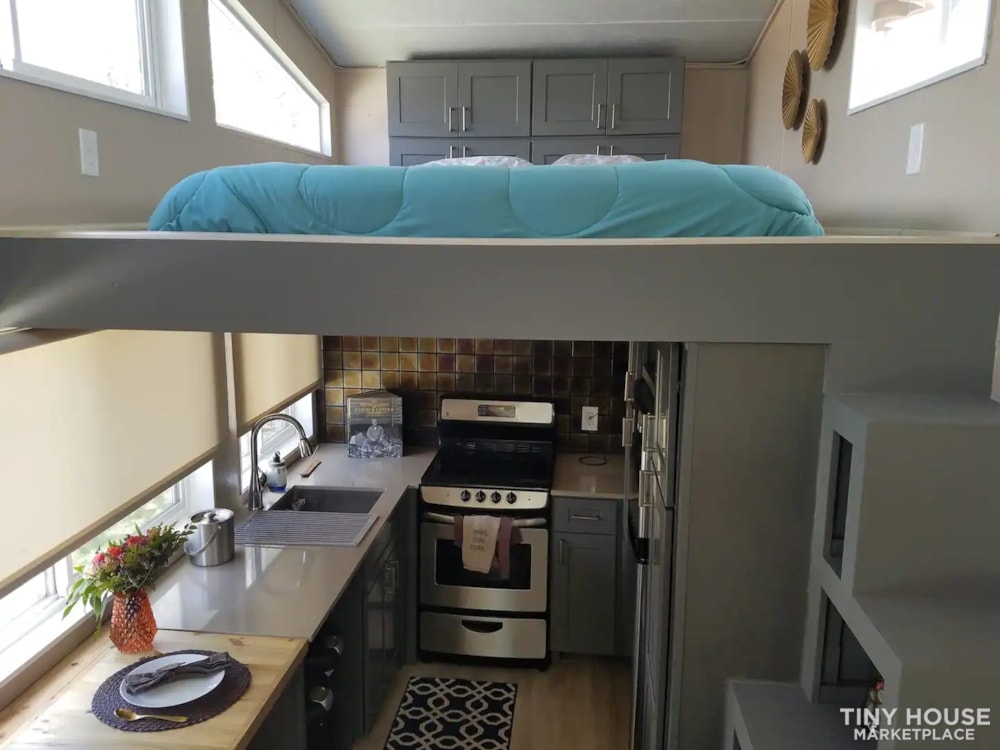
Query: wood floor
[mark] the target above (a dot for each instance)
(577, 704)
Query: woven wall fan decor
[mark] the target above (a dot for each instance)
(820, 30)
(813, 131)
(793, 90)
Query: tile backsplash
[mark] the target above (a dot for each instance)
(573, 374)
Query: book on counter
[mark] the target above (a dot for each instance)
(374, 425)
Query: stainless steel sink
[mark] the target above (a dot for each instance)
(328, 500)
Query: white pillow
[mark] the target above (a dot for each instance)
(595, 159)
(510, 162)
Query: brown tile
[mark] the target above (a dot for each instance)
(582, 366)
(371, 379)
(427, 345)
(390, 379)
(334, 396)
(541, 349)
(542, 365)
(427, 381)
(350, 342)
(331, 343)
(484, 363)
(390, 361)
(503, 384)
(348, 392)
(408, 381)
(370, 361)
(541, 386)
(426, 399)
(465, 383)
(603, 349)
(562, 366)
(581, 386)
(560, 386)
(352, 360)
(465, 346)
(427, 418)
(465, 363)
(336, 433)
(576, 408)
(522, 347)
(446, 363)
(503, 346)
(369, 343)
(408, 345)
(428, 362)
(446, 381)
(484, 346)
(522, 385)
(601, 387)
(619, 351)
(583, 348)
(334, 379)
(333, 360)
(597, 443)
(522, 365)
(562, 348)
(503, 365)
(389, 344)
(352, 379)
(563, 423)
(408, 362)
(484, 383)
(335, 415)
(446, 346)
(578, 442)
(602, 368)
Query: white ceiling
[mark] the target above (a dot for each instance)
(367, 33)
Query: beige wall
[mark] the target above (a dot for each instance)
(714, 111)
(141, 154)
(861, 179)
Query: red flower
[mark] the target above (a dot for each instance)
(115, 552)
(135, 540)
(99, 559)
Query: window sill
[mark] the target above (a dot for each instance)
(96, 96)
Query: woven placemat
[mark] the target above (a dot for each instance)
(231, 689)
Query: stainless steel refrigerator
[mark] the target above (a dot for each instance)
(652, 394)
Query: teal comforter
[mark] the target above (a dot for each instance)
(674, 198)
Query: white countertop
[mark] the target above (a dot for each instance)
(286, 591)
(575, 479)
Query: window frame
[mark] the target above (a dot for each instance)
(162, 52)
(243, 17)
(287, 447)
(859, 28)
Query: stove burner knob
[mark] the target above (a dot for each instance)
(495, 497)
(480, 497)
(511, 498)
(466, 496)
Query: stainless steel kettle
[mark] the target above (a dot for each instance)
(213, 539)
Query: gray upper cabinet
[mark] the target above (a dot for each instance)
(494, 98)
(423, 98)
(569, 97)
(645, 95)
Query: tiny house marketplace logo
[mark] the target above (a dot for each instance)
(916, 724)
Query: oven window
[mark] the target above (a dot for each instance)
(450, 572)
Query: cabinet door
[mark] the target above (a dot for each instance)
(374, 680)
(645, 95)
(423, 98)
(650, 149)
(569, 97)
(392, 628)
(547, 150)
(495, 98)
(409, 152)
(519, 147)
(656, 614)
(583, 595)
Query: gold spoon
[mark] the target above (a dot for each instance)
(127, 715)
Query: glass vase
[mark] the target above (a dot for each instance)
(133, 626)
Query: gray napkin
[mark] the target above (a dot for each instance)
(139, 681)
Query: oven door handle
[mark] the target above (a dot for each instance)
(519, 523)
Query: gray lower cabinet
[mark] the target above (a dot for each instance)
(583, 606)
(409, 152)
(650, 148)
(422, 98)
(519, 147)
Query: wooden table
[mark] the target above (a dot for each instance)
(55, 711)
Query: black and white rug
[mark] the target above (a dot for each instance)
(440, 713)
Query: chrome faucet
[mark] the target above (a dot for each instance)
(255, 501)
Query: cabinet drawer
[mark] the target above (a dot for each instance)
(584, 516)
(512, 637)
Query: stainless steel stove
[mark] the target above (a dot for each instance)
(496, 458)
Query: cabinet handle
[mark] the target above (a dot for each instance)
(465, 151)
(598, 149)
(464, 125)
(478, 626)
(451, 152)
(599, 108)
(612, 149)
(562, 551)
(575, 517)
(451, 119)
(614, 113)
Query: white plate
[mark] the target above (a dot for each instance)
(177, 692)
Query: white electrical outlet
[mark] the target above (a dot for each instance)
(915, 150)
(90, 163)
(589, 421)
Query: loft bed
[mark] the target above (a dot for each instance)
(897, 311)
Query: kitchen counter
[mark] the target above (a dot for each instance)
(604, 482)
(286, 591)
(55, 711)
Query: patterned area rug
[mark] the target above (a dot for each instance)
(439, 713)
